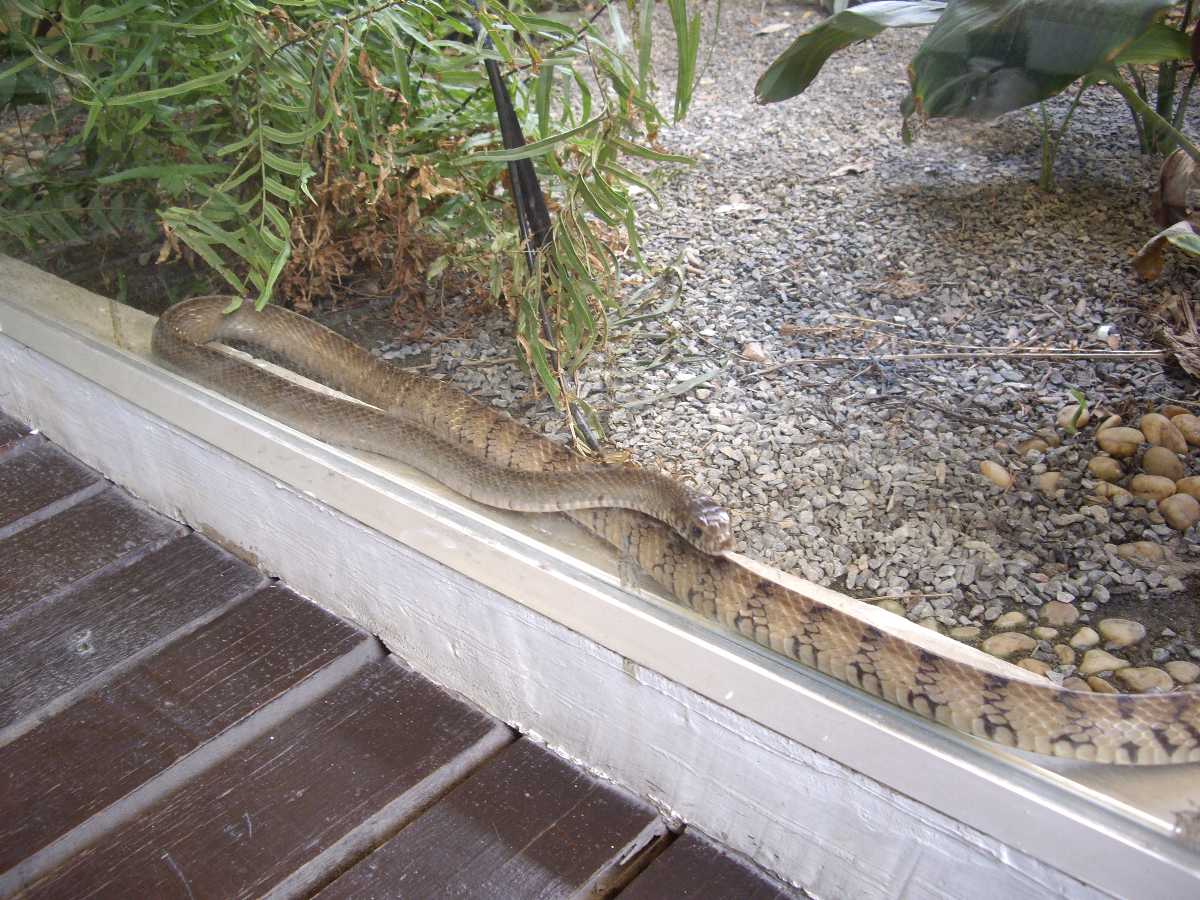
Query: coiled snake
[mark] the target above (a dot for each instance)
(488, 456)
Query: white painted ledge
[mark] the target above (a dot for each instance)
(525, 616)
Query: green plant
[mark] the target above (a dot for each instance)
(1081, 410)
(983, 58)
(286, 144)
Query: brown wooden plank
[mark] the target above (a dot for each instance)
(528, 824)
(108, 619)
(11, 431)
(250, 822)
(64, 548)
(37, 478)
(112, 741)
(694, 866)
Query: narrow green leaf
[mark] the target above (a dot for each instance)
(175, 90)
(536, 148)
(631, 234)
(277, 189)
(593, 202)
(160, 171)
(238, 145)
(654, 155)
(620, 172)
(645, 44)
(281, 258)
(301, 135)
(544, 89)
(292, 167)
(97, 13)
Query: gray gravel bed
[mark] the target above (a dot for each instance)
(806, 229)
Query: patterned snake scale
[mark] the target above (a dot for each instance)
(1034, 715)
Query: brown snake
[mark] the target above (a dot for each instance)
(422, 416)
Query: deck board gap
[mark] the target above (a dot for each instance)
(91, 816)
(52, 509)
(41, 673)
(112, 567)
(100, 680)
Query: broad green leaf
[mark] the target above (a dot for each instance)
(988, 57)
(799, 64)
(1149, 260)
(1159, 43)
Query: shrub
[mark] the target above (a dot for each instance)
(286, 144)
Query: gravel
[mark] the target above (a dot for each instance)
(807, 230)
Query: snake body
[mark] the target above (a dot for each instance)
(487, 455)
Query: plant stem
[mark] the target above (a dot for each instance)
(1137, 119)
(1114, 78)
(1163, 102)
(1184, 96)
(1051, 140)
(1046, 179)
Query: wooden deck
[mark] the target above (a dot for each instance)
(173, 724)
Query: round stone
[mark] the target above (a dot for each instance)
(1120, 633)
(1161, 461)
(1143, 550)
(1097, 661)
(1066, 656)
(1009, 644)
(1076, 684)
(1181, 512)
(1145, 680)
(1036, 666)
(1042, 633)
(965, 632)
(1100, 686)
(1056, 614)
(1011, 620)
(892, 606)
(1085, 637)
(1183, 671)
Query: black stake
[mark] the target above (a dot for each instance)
(533, 217)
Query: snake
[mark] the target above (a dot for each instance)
(677, 536)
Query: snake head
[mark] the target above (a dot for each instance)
(709, 528)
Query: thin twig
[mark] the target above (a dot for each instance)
(901, 596)
(973, 355)
(991, 422)
(565, 44)
(483, 363)
(333, 23)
